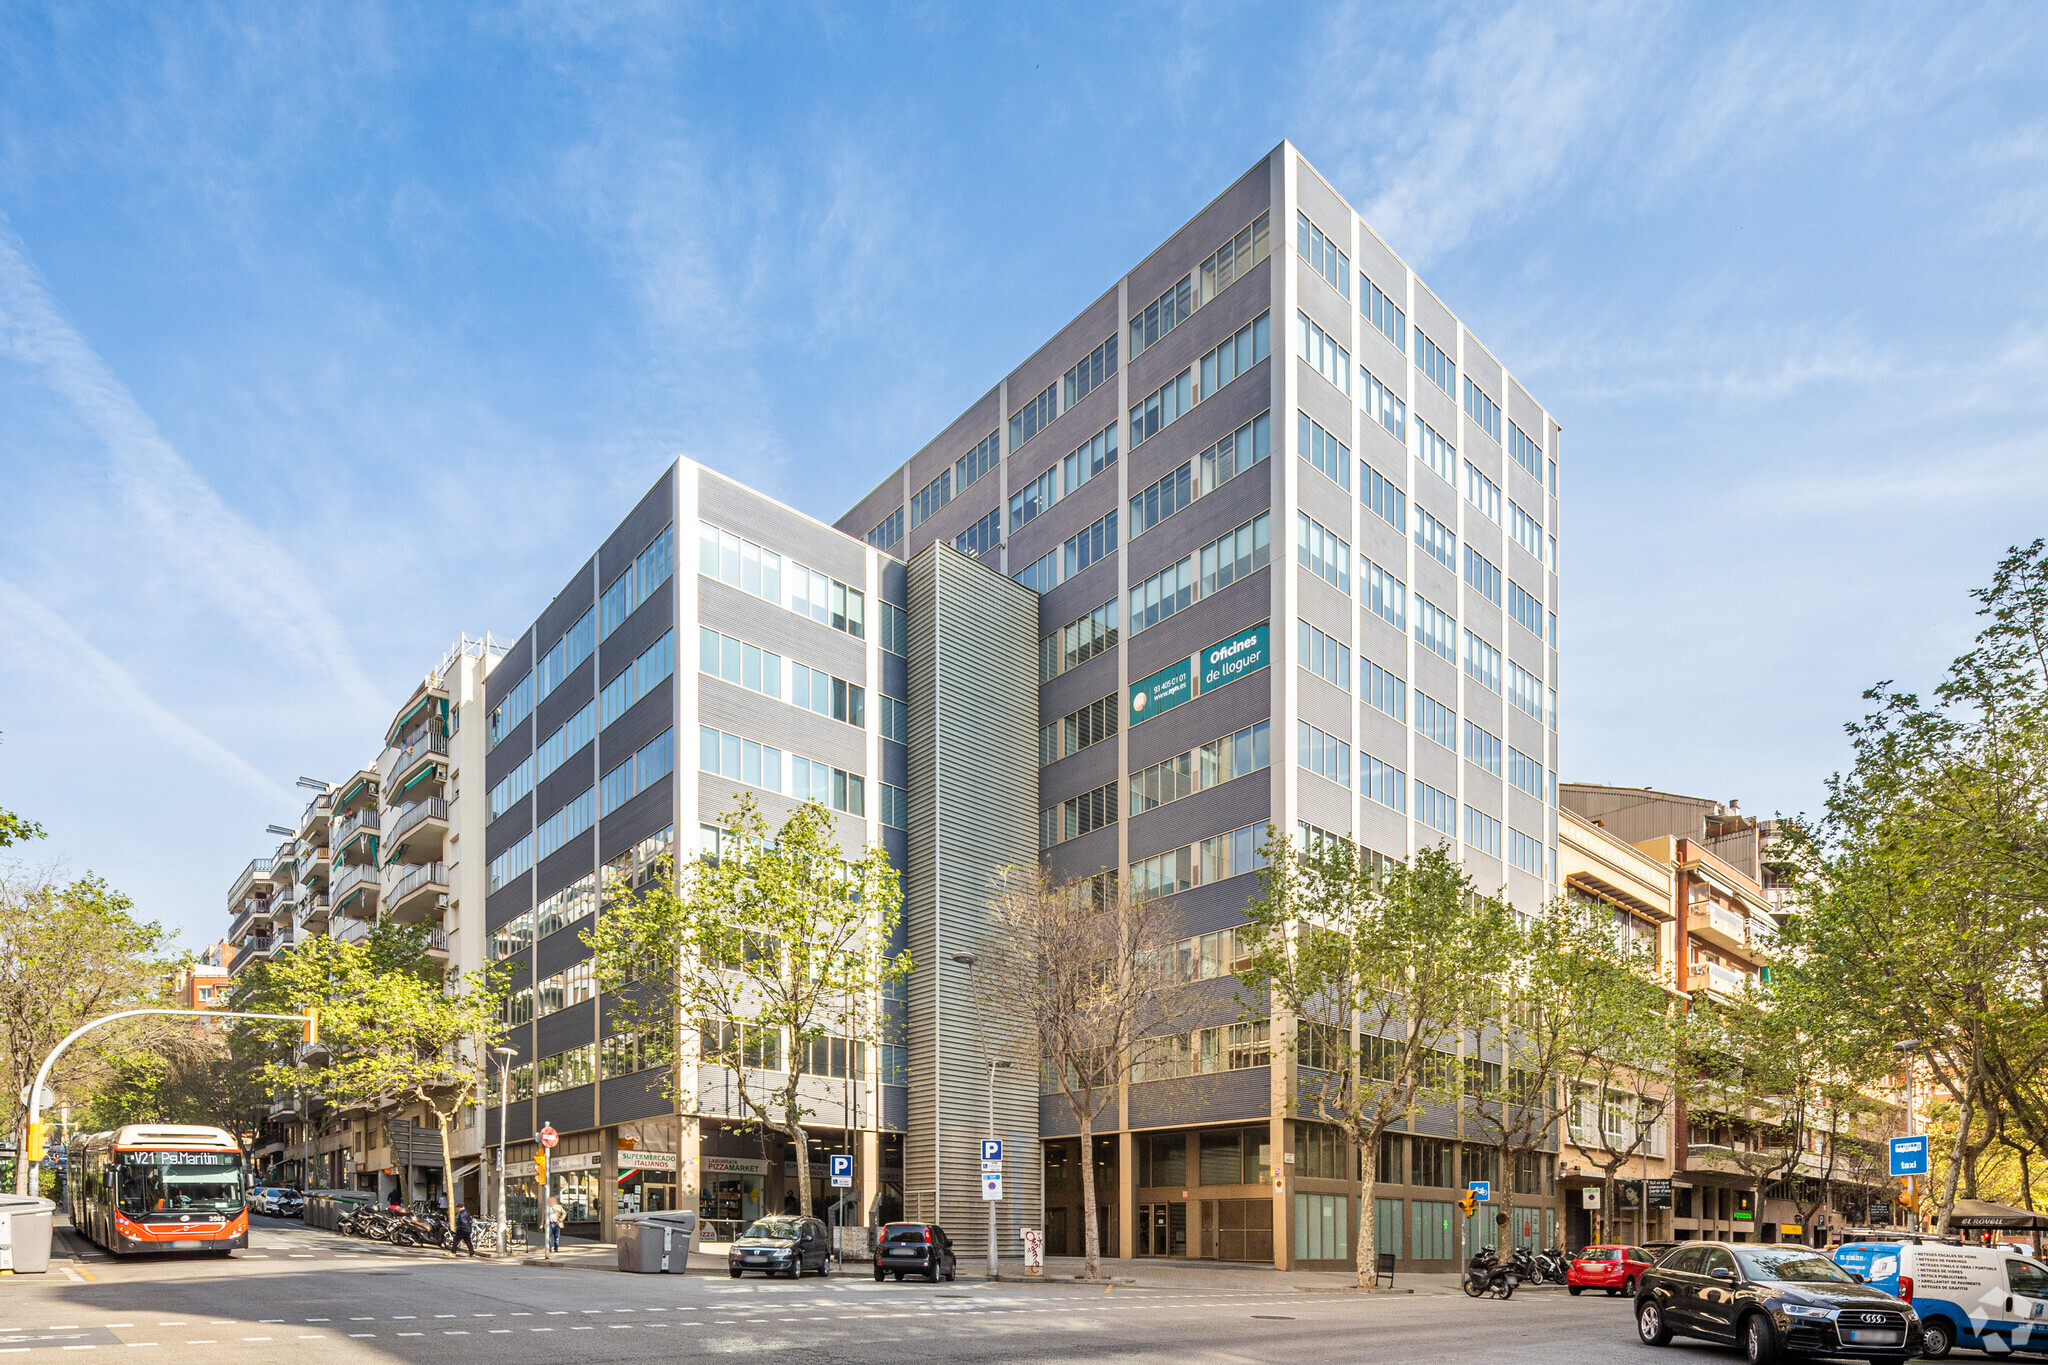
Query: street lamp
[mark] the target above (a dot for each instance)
(505, 1056)
(968, 961)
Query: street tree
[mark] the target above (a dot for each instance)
(14, 829)
(1922, 893)
(1382, 969)
(396, 1026)
(1085, 968)
(776, 939)
(71, 952)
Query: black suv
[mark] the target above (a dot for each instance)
(1772, 1301)
(920, 1247)
(783, 1245)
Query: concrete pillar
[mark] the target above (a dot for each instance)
(869, 1165)
(1126, 1194)
(1283, 1191)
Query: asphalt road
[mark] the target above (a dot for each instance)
(303, 1295)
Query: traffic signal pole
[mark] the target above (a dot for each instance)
(32, 1149)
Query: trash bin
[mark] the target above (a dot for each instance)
(25, 1227)
(656, 1243)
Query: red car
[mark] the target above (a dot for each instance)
(1612, 1268)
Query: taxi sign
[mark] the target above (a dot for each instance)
(1909, 1155)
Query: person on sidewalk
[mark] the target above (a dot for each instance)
(464, 1230)
(554, 1225)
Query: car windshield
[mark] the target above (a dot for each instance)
(1600, 1254)
(180, 1182)
(1791, 1265)
(786, 1229)
(904, 1232)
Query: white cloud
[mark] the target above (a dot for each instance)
(189, 531)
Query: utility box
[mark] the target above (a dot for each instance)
(25, 1229)
(656, 1243)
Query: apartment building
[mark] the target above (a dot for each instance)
(202, 984)
(1292, 529)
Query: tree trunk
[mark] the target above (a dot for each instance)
(1368, 1218)
(803, 1154)
(1091, 1237)
(1955, 1165)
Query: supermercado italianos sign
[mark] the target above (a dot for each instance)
(1220, 664)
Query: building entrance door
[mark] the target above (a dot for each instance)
(1162, 1230)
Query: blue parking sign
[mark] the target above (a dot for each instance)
(991, 1149)
(842, 1166)
(1909, 1155)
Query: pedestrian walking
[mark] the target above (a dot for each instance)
(464, 1227)
(554, 1225)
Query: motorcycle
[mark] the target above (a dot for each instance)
(1486, 1277)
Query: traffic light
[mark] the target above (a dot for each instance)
(1906, 1191)
(1468, 1203)
(35, 1142)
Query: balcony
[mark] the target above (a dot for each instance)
(431, 812)
(1717, 924)
(358, 882)
(351, 825)
(406, 767)
(255, 914)
(314, 866)
(1715, 979)
(437, 944)
(313, 912)
(351, 930)
(257, 870)
(255, 948)
(416, 894)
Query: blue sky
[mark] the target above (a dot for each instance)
(327, 333)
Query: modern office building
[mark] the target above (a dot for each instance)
(1293, 531)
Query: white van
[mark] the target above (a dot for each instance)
(1985, 1298)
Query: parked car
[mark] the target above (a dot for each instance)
(923, 1248)
(287, 1203)
(1772, 1301)
(1986, 1298)
(1613, 1268)
(782, 1245)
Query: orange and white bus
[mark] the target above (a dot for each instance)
(158, 1187)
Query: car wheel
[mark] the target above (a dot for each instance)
(824, 1269)
(1650, 1324)
(880, 1275)
(734, 1271)
(1575, 1290)
(1629, 1288)
(1937, 1338)
(1759, 1340)
(899, 1277)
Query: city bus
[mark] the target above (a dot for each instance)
(158, 1187)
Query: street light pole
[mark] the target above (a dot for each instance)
(505, 1056)
(968, 960)
(1905, 1050)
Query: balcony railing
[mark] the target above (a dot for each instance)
(415, 880)
(1714, 977)
(433, 808)
(350, 877)
(437, 940)
(251, 950)
(313, 910)
(258, 867)
(351, 930)
(365, 818)
(414, 750)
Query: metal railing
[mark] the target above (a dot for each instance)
(416, 878)
(350, 930)
(355, 820)
(350, 874)
(416, 749)
(407, 816)
(257, 867)
(1715, 977)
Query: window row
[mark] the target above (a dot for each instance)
(1162, 407)
(1223, 561)
(1436, 629)
(1090, 724)
(1162, 315)
(1202, 475)
(1385, 595)
(1229, 262)
(1436, 366)
(1527, 453)
(1324, 755)
(1035, 416)
(760, 765)
(1081, 464)
(951, 481)
(1482, 749)
(1094, 370)
(888, 531)
(1323, 553)
(1383, 405)
(1482, 662)
(654, 761)
(1324, 452)
(1063, 562)
(1527, 531)
(1233, 356)
(1484, 412)
(983, 536)
(1326, 657)
(1214, 859)
(1078, 641)
(1525, 690)
(1382, 497)
(1526, 612)
(1322, 254)
(1197, 770)
(1482, 492)
(741, 564)
(1435, 722)
(1433, 450)
(1226, 1047)
(1323, 354)
(565, 824)
(573, 648)
(651, 568)
(1436, 540)
(1382, 313)
(1481, 574)
(640, 678)
(1077, 815)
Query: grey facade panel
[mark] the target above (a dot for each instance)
(1431, 316)
(560, 949)
(1371, 255)
(576, 691)
(509, 901)
(736, 508)
(646, 815)
(649, 622)
(518, 661)
(895, 681)
(1387, 831)
(1205, 1004)
(565, 865)
(1479, 363)
(568, 1110)
(974, 727)
(1053, 527)
(1082, 857)
(1323, 705)
(895, 763)
(943, 452)
(1210, 716)
(577, 775)
(1435, 1121)
(1077, 773)
(735, 710)
(1220, 221)
(1076, 597)
(564, 1029)
(895, 1108)
(643, 720)
(1218, 905)
(1323, 205)
(577, 596)
(1242, 801)
(508, 753)
(508, 829)
(1056, 1117)
(638, 1096)
(1202, 521)
(1321, 802)
(1189, 1101)
(1076, 687)
(741, 615)
(895, 583)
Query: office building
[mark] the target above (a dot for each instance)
(1293, 531)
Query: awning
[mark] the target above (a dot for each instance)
(461, 1171)
(1981, 1213)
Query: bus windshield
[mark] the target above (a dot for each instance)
(180, 1182)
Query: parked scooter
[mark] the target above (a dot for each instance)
(1486, 1277)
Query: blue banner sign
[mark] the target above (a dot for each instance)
(1909, 1156)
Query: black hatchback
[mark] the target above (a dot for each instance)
(915, 1249)
(1772, 1301)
